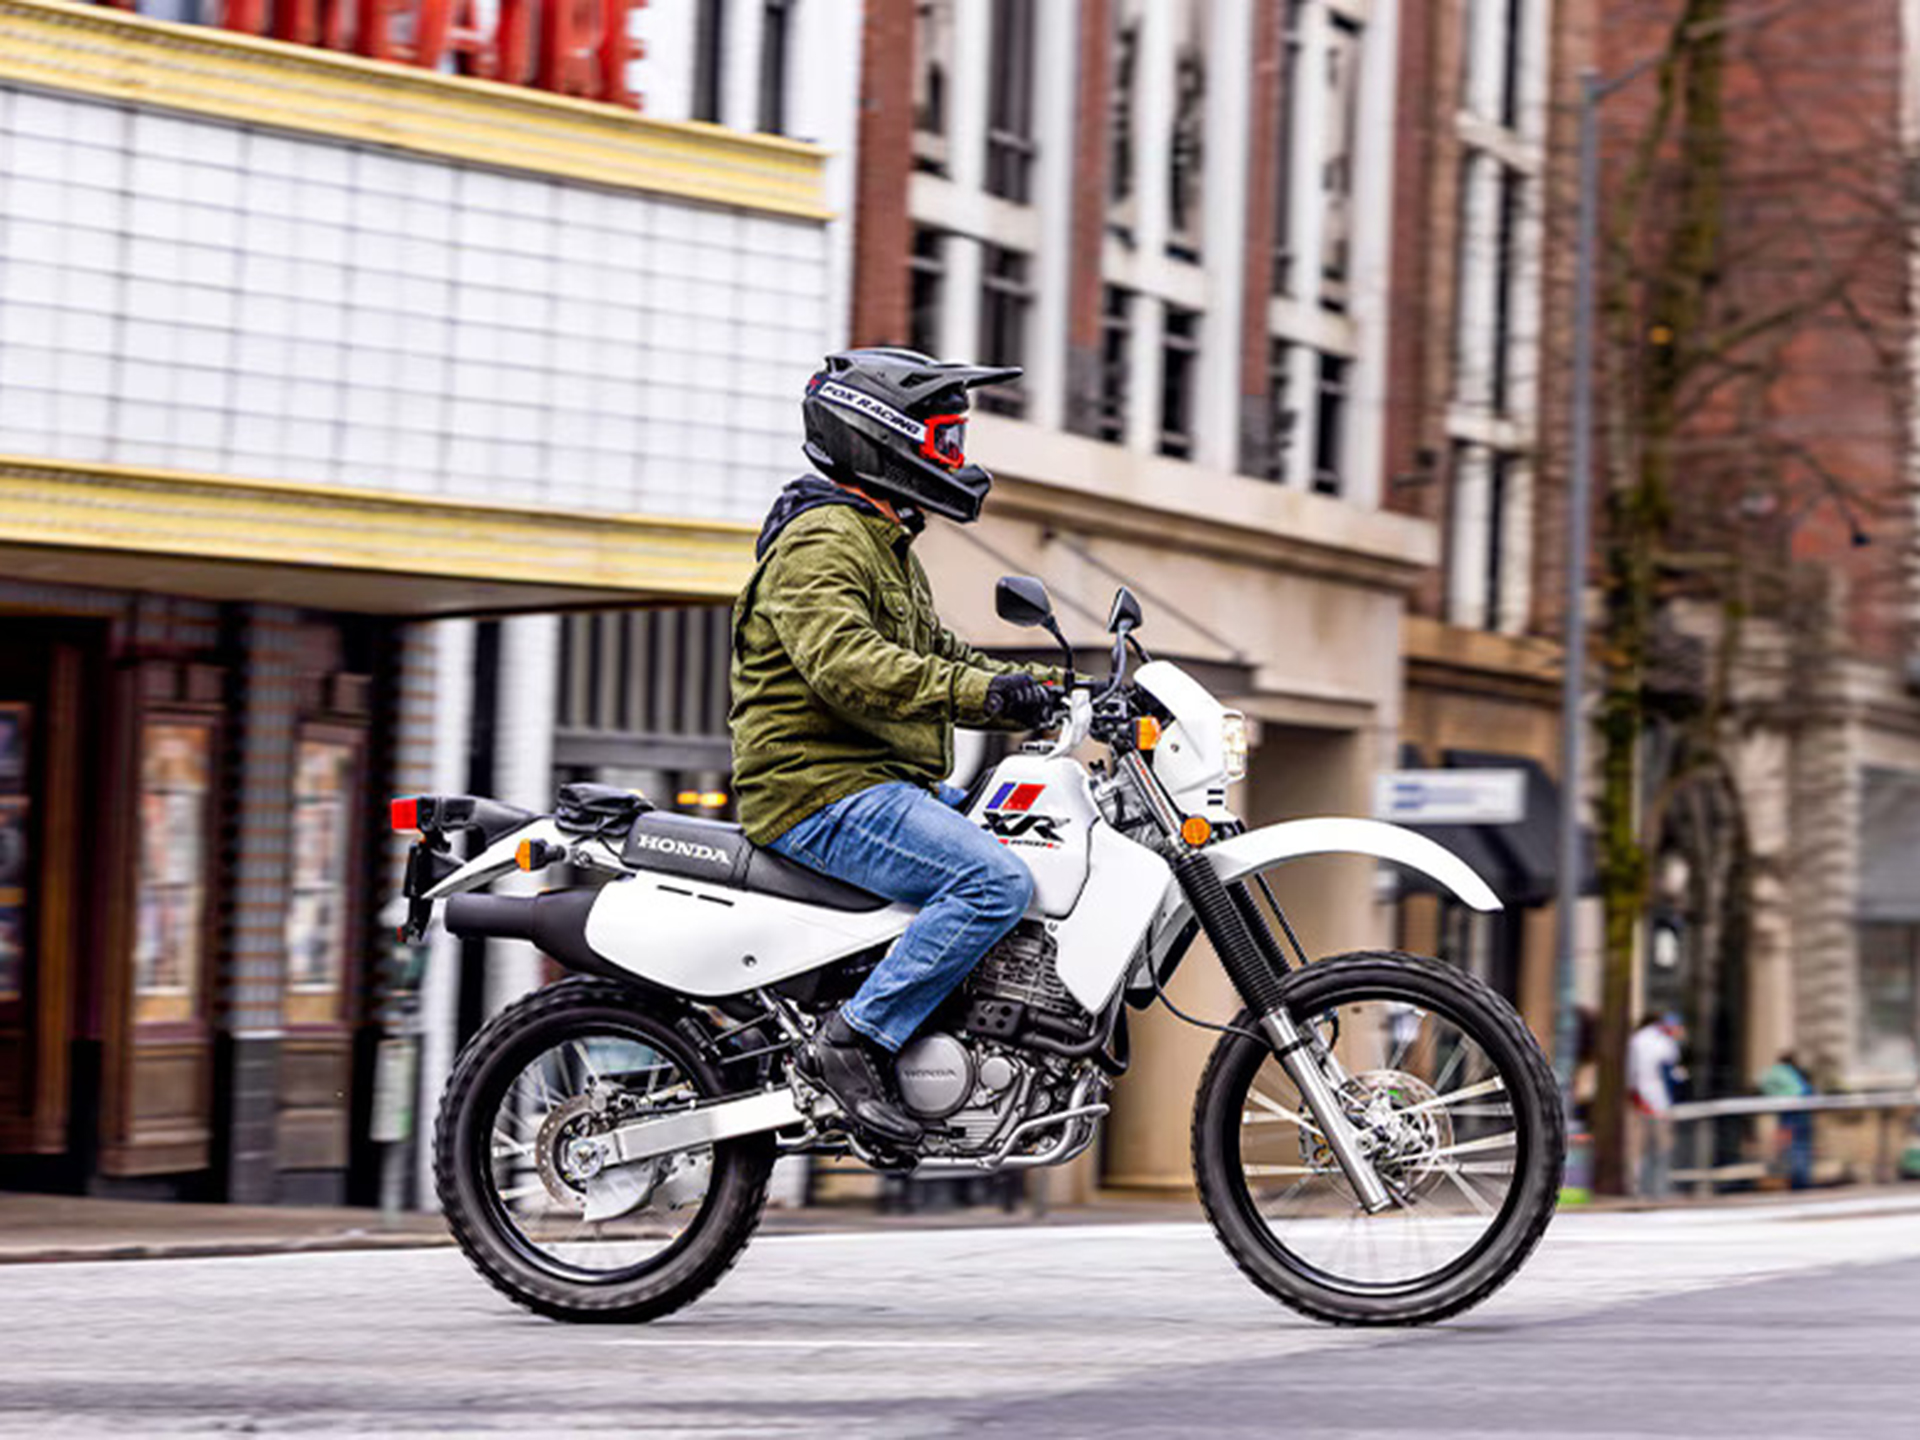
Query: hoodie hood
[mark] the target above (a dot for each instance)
(810, 492)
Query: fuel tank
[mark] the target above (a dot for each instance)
(1042, 809)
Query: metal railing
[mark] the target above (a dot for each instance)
(1887, 1105)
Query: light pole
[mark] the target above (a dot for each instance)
(1579, 517)
(1594, 91)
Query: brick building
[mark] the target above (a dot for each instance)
(1783, 469)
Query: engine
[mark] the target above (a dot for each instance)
(1003, 1065)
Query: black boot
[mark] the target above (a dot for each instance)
(853, 1070)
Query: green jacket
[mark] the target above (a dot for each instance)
(843, 676)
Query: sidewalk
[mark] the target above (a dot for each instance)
(45, 1228)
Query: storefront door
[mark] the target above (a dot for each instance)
(41, 679)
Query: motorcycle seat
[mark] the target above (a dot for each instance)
(721, 854)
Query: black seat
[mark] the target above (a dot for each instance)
(720, 853)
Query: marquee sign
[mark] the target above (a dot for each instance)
(571, 47)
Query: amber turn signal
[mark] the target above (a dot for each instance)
(1195, 830)
(1146, 732)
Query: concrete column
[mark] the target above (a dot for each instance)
(1370, 280)
(967, 168)
(1216, 399)
(740, 66)
(1143, 377)
(1153, 105)
(824, 65)
(448, 665)
(664, 75)
(523, 770)
(1057, 48)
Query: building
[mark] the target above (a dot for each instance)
(1810, 806)
(1472, 446)
(1178, 218)
(299, 351)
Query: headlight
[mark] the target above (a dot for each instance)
(1233, 742)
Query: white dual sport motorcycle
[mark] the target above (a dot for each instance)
(1377, 1137)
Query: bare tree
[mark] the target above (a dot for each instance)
(1756, 264)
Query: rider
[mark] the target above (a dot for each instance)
(846, 691)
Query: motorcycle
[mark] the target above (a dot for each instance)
(1377, 1138)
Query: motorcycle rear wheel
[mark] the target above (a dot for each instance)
(583, 1016)
(1449, 1134)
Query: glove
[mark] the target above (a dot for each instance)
(1019, 699)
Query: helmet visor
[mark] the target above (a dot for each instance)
(946, 440)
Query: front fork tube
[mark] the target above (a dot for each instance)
(1254, 963)
(1300, 1057)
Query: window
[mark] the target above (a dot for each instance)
(1010, 145)
(1495, 34)
(776, 25)
(932, 77)
(1329, 423)
(1336, 164)
(324, 790)
(1186, 149)
(1484, 486)
(1116, 346)
(1005, 299)
(169, 948)
(1486, 283)
(1120, 125)
(1283, 209)
(1504, 287)
(1499, 473)
(1890, 997)
(709, 50)
(1179, 359)
(926, 289)
(1281, 415)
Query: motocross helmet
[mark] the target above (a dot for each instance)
(894, 423)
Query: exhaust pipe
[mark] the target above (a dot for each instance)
(555, 922)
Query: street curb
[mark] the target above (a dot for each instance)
(215, 1249)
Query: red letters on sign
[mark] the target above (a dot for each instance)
(571, 47)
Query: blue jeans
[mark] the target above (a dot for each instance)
(902, 843)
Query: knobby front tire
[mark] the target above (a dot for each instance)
(1294, 1254)
(688, 1265)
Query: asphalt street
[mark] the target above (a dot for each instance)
(1789, 1321)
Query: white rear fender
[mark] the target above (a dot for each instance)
(1292, 839)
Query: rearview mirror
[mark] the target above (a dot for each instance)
(1125, 614)
(1022, 600)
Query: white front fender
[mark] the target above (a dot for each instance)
(1272, 844)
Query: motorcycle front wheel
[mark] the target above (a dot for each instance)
(522, 1180)
(1457, 1108)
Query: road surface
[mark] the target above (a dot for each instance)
(1787, 1321)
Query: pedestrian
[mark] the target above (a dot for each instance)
(1653, 1071)
(1785, 1078)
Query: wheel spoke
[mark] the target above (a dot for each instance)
(1454, 1097)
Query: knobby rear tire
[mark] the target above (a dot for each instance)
(1496, 1027)
(728, 1215)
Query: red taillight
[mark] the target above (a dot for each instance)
(406, 813)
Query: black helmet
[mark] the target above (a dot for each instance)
(894, 422)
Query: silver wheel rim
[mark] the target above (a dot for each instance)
(549, 1169)
(1436, 1114)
